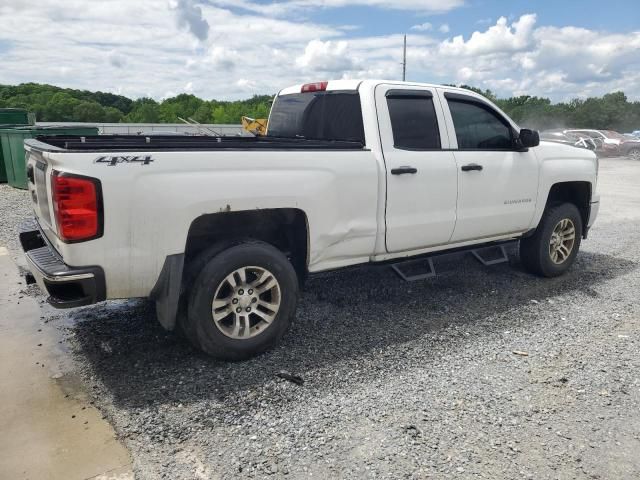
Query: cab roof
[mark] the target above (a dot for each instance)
(356, 84)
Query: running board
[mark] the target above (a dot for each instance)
(481, 255)
(487, 256)
(407, 277)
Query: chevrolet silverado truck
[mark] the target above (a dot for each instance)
(221, 232)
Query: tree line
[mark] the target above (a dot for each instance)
(612, 111)
(55, 104)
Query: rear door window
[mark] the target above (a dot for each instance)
(413, 120)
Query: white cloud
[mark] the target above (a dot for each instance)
(498, 38)
(444, 28)
(116, 60)
(246, 84)
(189, 16)
(246, 51)
(415, 5)
(423, 27)
(222, 58)
(287, 7)
(520, 58)
(330, 56)
(465, 74)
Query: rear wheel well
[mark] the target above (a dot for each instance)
(577, 193)
(284, 228)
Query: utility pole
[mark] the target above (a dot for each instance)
(404, 60)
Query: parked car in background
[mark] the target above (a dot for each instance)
(613, 143)
(633, 135)
(569, 138)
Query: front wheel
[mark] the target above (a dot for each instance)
(634, 153)
(242, 301)
(552, 249)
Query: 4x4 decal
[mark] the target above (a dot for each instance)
(112, 161)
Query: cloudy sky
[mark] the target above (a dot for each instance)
(228, 49)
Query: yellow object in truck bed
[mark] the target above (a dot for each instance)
(257, 126)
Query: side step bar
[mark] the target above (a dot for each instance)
(415, 277)
(423, 268)
(481, 255)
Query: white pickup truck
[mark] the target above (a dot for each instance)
(222, 231)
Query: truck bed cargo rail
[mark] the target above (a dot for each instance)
(111, 143)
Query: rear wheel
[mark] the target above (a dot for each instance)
(634, 153)
(242, 301)
(552, 249)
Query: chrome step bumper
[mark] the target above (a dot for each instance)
(66, 286)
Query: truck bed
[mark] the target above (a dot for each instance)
(131, 143)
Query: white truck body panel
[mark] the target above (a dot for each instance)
(148, 213)
(421, 208)
(501, 198)
(564, 163)
(356, 210)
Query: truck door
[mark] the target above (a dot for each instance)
(497, 183)
(421, 173)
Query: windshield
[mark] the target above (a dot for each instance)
(588, 134)
(614, 135)
(317, 115)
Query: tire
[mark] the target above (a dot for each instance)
(537, 251)
(184, 328)
(634, 153)
(264, 315)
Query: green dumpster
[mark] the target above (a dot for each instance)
(16, 116)
(12, 143)
(3, 168)
(10, 117)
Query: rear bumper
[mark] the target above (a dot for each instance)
(66, 286)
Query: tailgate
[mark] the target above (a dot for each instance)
(38, 173)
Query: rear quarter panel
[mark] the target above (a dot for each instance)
(148, 209)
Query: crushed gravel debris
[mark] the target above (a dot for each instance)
(480, 372)
(15, 206)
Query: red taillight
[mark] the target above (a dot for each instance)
(314, 87)
(77, 207)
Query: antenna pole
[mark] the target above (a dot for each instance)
(404, 60)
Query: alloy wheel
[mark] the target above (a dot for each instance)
(562, 241)
(246, 302)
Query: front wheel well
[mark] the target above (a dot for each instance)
(577, 193)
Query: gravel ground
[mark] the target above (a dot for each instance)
(478, 373)
(14, 207)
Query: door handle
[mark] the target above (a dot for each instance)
(470, 167)
(403, 170)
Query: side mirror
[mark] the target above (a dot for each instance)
(529, 138)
